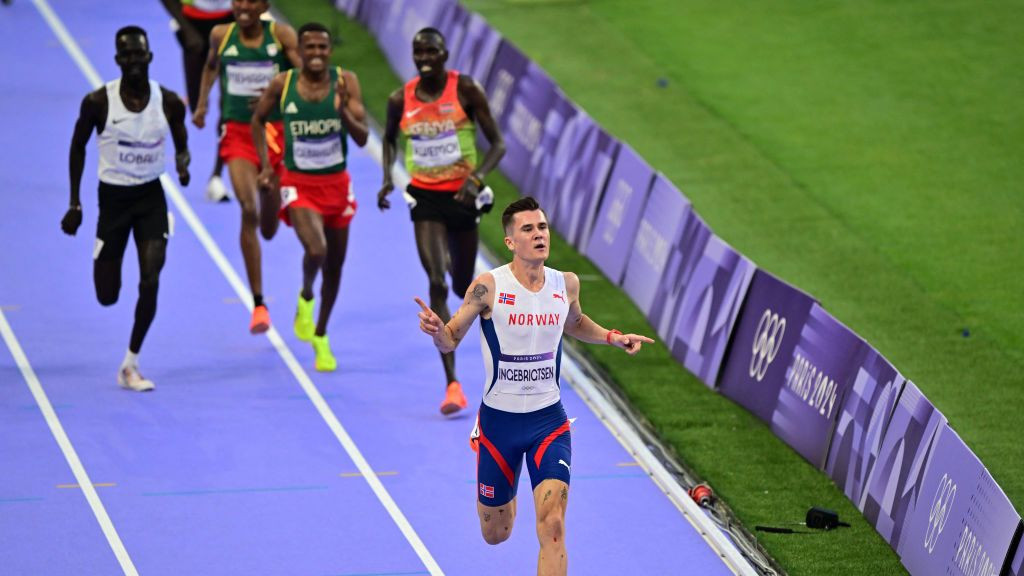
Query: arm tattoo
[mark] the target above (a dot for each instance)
(565, 493)
(487, 517)
(479, 292)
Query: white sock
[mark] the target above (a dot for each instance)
(130, 359)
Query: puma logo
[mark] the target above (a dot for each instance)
(563, 463)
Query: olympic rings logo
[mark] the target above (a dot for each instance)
(942, 506)
(767, 340)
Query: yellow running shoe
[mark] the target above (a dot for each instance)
(304, 325)
(325, 361)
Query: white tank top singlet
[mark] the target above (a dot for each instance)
(522, 342)
(132, 143)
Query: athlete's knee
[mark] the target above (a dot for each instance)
(316, 253)
(107, 296)
(250, 214)
(438, 284)
(551, 526)
(495, 533)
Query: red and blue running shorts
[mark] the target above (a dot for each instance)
(541, 436)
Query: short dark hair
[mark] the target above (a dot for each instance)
(130, 31)
(524, 204)
(312, 27)
(433, 31)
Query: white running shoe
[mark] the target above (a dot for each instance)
(129, 377)
(216, 191)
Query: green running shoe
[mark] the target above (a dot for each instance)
(325, 361)
(304, 325)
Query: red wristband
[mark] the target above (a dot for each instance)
(608, 338)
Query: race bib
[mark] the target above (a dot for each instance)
(140, 159)
(317, 154)
(248, 79)
(527, 374)
(441, 151)
(289, 194)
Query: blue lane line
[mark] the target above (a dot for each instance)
(17, 500)
(237, 491)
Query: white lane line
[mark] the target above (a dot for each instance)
(81, 477)
(243, 293)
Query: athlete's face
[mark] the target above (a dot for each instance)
(315, 48)
(133, 56)
(528, 236)
(247, 12)
(429, 54)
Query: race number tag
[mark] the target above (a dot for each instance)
(248, 79)
(141, 159)
(444, 150)
(317, 154)
(526, 374)
(289, 194)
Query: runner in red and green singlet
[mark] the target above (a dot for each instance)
(321, 106)
(245, 55)
(437, 113)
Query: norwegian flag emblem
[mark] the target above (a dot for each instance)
(505, 298)
(486, 491)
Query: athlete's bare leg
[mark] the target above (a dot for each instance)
(337, 245)
(270, 205)
(496, 521)
(152, 254)
(244, 175)
(432, 245)
(309, 227)
(551, 499)
(462, 245)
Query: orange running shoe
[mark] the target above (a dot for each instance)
(454, 399)
(260, 320)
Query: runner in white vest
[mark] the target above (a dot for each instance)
(131, 117)
(524, 307)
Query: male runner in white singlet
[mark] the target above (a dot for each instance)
(131, 116)
(524, 307)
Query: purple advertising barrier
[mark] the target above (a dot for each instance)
(1017, 565)
(657, 237)
(611, 240)
(400, 23)
(472, 53)
(374, 15)
(593, 155)
(684, 255)
(961, 522)
(349, 7)
(532, 100)
(865, 412)
(896, 476)
(763, 342)
(709, 307)
(820, 372)
(550, 160)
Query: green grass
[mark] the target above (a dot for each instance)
(868, 152)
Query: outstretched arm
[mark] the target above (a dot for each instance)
(580, 326)
(396, 106)
(174, 110)
(91, 115)
(479, 299)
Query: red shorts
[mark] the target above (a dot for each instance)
(236, 142)
(330, 195)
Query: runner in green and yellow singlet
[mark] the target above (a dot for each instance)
(245, 56)
(438, 112)
(322, 106)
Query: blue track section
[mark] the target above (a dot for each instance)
(228, 468)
